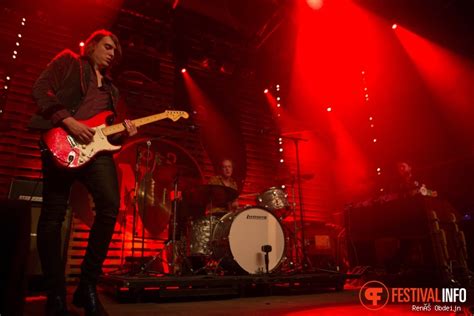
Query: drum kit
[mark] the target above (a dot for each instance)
(249, 240)
(255, 239)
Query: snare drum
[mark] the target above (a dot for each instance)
(238, 239)
(275, 200)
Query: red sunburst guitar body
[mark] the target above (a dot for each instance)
(69, 153)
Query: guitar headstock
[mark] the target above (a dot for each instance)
(176, 115)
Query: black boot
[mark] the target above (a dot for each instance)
(56, 305)
(86, 297)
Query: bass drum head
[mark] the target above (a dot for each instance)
(251, 229)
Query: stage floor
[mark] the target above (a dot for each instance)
(299, 294)
(324, 303)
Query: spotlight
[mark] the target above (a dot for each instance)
(329, 109)
(282, 161)
(81, 44)
(183, 70)
(394, 26)
(375, 140)
(265, 91)
(315, 4)
(278, 105)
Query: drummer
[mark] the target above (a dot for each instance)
(225, 179)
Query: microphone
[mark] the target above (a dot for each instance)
(266, 249)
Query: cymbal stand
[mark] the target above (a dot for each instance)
(174, 226)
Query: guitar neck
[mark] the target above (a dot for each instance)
(117, 128)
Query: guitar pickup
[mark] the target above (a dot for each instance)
(71, 141)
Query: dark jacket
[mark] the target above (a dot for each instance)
(62, 86)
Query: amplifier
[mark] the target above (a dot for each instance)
(26, 190)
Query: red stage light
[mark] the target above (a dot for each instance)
(265, 91)
(183, 70)
(315, 4)
(81, 44)
(394, 26)
(329, 109)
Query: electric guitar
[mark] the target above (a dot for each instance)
(69, 153)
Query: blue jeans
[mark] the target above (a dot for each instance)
(100, 178)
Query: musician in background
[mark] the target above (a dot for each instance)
(408, 186)
(225, 179)
(70, 89)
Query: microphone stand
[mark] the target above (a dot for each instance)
(135, 199)
(296, 141)
(145, 193)
(175, 224)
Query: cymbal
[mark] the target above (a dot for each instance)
(293, 177)
(218, 195)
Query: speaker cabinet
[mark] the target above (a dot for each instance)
(33, 270)
(29, 192)
(15, 221)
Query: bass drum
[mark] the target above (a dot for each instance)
(238, 239)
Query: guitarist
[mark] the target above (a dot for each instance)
(74, 88)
